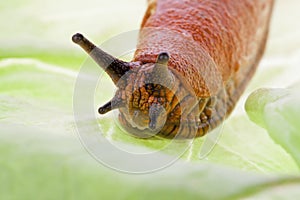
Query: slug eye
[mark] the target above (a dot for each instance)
(163, 58)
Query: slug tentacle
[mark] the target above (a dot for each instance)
(105, 108)
(114, 67)
(161, 72)
(116, 103)
(156, 112)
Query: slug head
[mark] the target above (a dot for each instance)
(143, 97)
(145, 90)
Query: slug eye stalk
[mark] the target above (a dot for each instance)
(114, 67)
(105, 108)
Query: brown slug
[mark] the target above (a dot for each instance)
(193, 60)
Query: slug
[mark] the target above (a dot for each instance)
(193, 61)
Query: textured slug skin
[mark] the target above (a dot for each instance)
(232, 32)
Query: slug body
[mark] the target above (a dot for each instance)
(194, 59)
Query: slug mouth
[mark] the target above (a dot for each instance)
(140, 125)
(203, 117)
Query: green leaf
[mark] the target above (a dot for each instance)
(278, 111)
(49, 165)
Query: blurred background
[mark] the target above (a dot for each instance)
(41, 156)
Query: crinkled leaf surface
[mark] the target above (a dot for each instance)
(278, 111)
(41, 156)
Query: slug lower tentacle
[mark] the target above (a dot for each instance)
(194, 59)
